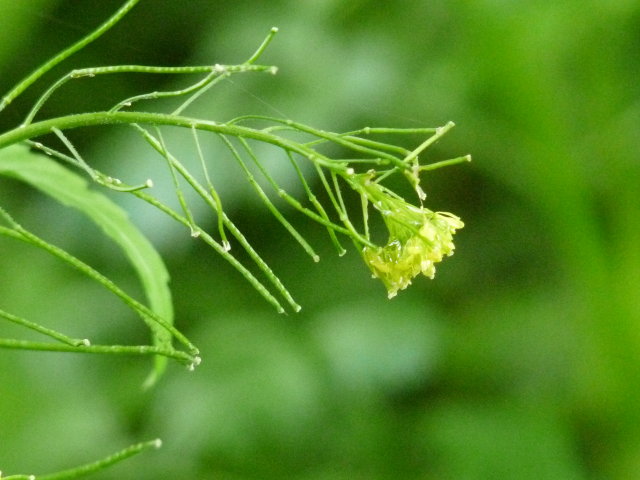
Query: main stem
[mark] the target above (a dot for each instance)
(118, 118)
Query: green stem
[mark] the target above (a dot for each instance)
(145, 313)
(224, 252)
(440, 131)
(176, 184)
(104, 463)
(265, 43)
(263, 196)
(328, 136)
(212, 192)
(366, 143)
(314, 201)
(73, 342)
(181, 356)
(36, 74)
(112, 69)
(202, 192)
(123, 118)
(445, 163)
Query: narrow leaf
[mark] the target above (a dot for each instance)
(72, 190)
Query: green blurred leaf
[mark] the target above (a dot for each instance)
(18, 21)
(71, 190)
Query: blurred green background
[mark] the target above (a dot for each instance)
(520, 360)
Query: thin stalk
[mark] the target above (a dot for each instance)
(362, 161)
(207, 84)
(365, 215)
(445, 163)
(385, 130)
(332, 197)
(338, 204)
(365, 142)
(314, 216)
(102, 178)
(66, 53)
(355, 234)
(440, 131)
(201, 191)
(79, 160)
(104, 463)
(128, 102)
(263, 46)
(118, 118)
(176, 185)
(327, 136)
(212, 191)
(94, 71)
(181, 356)
(318, 206)
(322, 218)
(224, 72)
(255, 283)
(61, 337)
(263, 196)
(143, 311)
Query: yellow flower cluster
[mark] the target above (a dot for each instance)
(411, 251)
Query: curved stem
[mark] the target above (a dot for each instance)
(61, 337)
(36, 74)
(104, 463)
(93, 71)
(143, 311)
(181, 356)
(120, 118)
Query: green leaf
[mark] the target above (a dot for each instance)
(71, 190)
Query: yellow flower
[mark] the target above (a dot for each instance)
(418, 239)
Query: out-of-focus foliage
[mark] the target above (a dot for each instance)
(520, 360)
